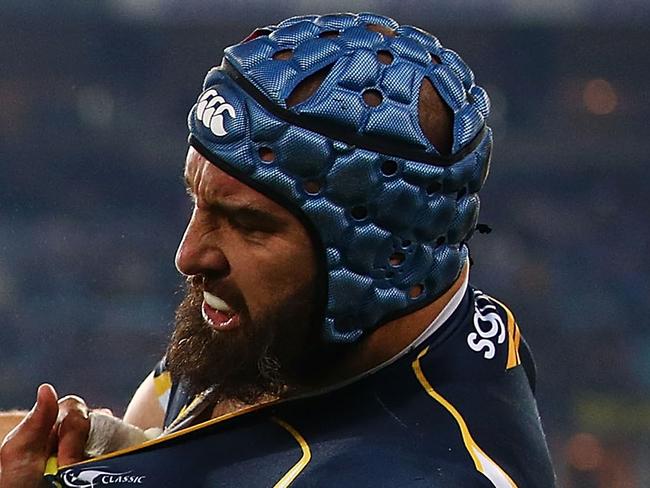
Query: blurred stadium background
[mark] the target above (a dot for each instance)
(93, 100)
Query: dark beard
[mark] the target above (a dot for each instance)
(260, 358)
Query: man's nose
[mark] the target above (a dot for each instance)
(199, 252)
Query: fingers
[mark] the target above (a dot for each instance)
(25, 450)
(36, 426)
(73, 429)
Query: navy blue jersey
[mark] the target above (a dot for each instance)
(456, 410)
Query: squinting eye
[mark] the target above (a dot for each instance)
(251, 226)
(244, 225)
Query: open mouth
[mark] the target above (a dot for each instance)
(217, 313)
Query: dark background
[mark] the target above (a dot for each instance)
(93, 101)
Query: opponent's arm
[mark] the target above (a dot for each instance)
(60, 427)
(144, 410)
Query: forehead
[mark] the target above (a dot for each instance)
(201, 174)
(210, 182)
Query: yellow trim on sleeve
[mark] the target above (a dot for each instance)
(517, 341)
(512, 350)
(162, 383)
(514, 337)
(483, 463)
(293, 473)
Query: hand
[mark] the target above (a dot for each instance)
(51, 427)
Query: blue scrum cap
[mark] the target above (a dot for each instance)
(389, 213)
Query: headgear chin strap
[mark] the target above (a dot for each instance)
(388, 213)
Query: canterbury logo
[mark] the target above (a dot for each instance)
(488, 327)
(210, 109)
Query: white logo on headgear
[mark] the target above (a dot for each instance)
(210, 109)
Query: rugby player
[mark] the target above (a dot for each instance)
(329, 335)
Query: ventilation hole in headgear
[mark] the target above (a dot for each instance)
(257, 33)
(266, 154)
(461, 193)
(406, 243)
(307, 87)
(312, 187)
(359, 212)
(396, 259)
(333, 34)
(372, 97)
(284, 55)
(382, 29)
(389, 167)
(436, 118)
(433, 188)
(416, 290)
(440, 241)
(384, 57)
(434, 58)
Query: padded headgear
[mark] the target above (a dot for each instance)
(389, 214)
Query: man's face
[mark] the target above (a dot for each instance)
(244, 325)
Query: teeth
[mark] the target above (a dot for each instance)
(215, 302)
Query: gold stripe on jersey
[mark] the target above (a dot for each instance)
(514, 338)
(483, 463)
(517, 342)
(293, 473)
(189, 408)
(162, 383)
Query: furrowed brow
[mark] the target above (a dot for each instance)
(249, 213)
(235, 210)
(246, 210)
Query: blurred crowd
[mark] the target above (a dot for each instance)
(92, 143)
